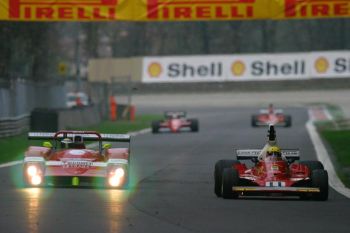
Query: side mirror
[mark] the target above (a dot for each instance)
(47, 144)
(106, 146)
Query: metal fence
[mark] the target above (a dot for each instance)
(14, 125)
(20, 97)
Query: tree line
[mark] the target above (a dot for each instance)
(32, 50)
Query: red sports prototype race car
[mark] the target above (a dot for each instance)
(271, 116)
(273, 174)
(66, 161)
(175, 122)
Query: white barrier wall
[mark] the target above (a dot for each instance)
(214, 68)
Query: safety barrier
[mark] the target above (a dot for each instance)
(14, 125)
(59, 119)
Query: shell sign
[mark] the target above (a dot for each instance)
(258, 67)
(170, 10)
(330, 64)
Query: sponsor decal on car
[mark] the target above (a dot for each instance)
(77, 164)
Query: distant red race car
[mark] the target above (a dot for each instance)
(175, 122)
(271, 116)
(272, 174)
(64, 160)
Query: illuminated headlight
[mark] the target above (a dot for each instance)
(119, 172)
(32, 170)
(116, 177)
(36, 180)
(34, 174)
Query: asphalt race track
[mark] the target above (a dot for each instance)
(173, 188)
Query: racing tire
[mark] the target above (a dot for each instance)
(319, 179)
(288, 120)
(155, 126)
(254, 120)
(194, 125)
(219, 169)
(313, 165)
(230, 178)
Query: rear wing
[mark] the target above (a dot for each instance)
(248, 154)
(175, 113)
(86, 135)
(266, 111)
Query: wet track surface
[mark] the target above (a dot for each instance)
(172, 188)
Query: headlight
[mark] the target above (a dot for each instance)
(34, 174)
(32, 170)
(119, 172)
(116, 177)
(36, 180)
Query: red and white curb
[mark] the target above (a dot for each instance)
(134, 133)
(321, 151)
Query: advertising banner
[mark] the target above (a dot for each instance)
(312, 9)
(220, 68)
(178, 10)
(65, 10)
(170, 10)
(330, 64)
(183, 69)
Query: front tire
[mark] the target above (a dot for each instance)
(194, 125)
(288, 120)
(219, 169)
(254, 120)
(319, 179)
(155, 126)
(230, 178)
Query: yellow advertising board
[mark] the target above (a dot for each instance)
(311, 9)
(184, 10)
(65, 10)
(170, 10)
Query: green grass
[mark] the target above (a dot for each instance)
(13, 148)
(339, 140)
(340, 146)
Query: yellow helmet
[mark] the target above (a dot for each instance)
(274, 150)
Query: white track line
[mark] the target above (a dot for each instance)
(135, 133)
(9, 164)
(322, 155)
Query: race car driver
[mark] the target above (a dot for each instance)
(66, 143)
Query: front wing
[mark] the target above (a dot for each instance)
(266, 123)
(257, 190)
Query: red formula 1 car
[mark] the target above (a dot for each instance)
(271, 116)
(64, 160)
(175, 122)
(270, 175)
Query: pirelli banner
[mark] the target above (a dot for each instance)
(292, 66)
(170, 10)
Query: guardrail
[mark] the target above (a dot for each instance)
(342, 124)
(14, 125)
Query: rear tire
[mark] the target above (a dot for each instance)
(155, 126)
(194, 125)
(218, 172)
(230, 178)
(254, 120)
(288, 120)
(319, 179)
